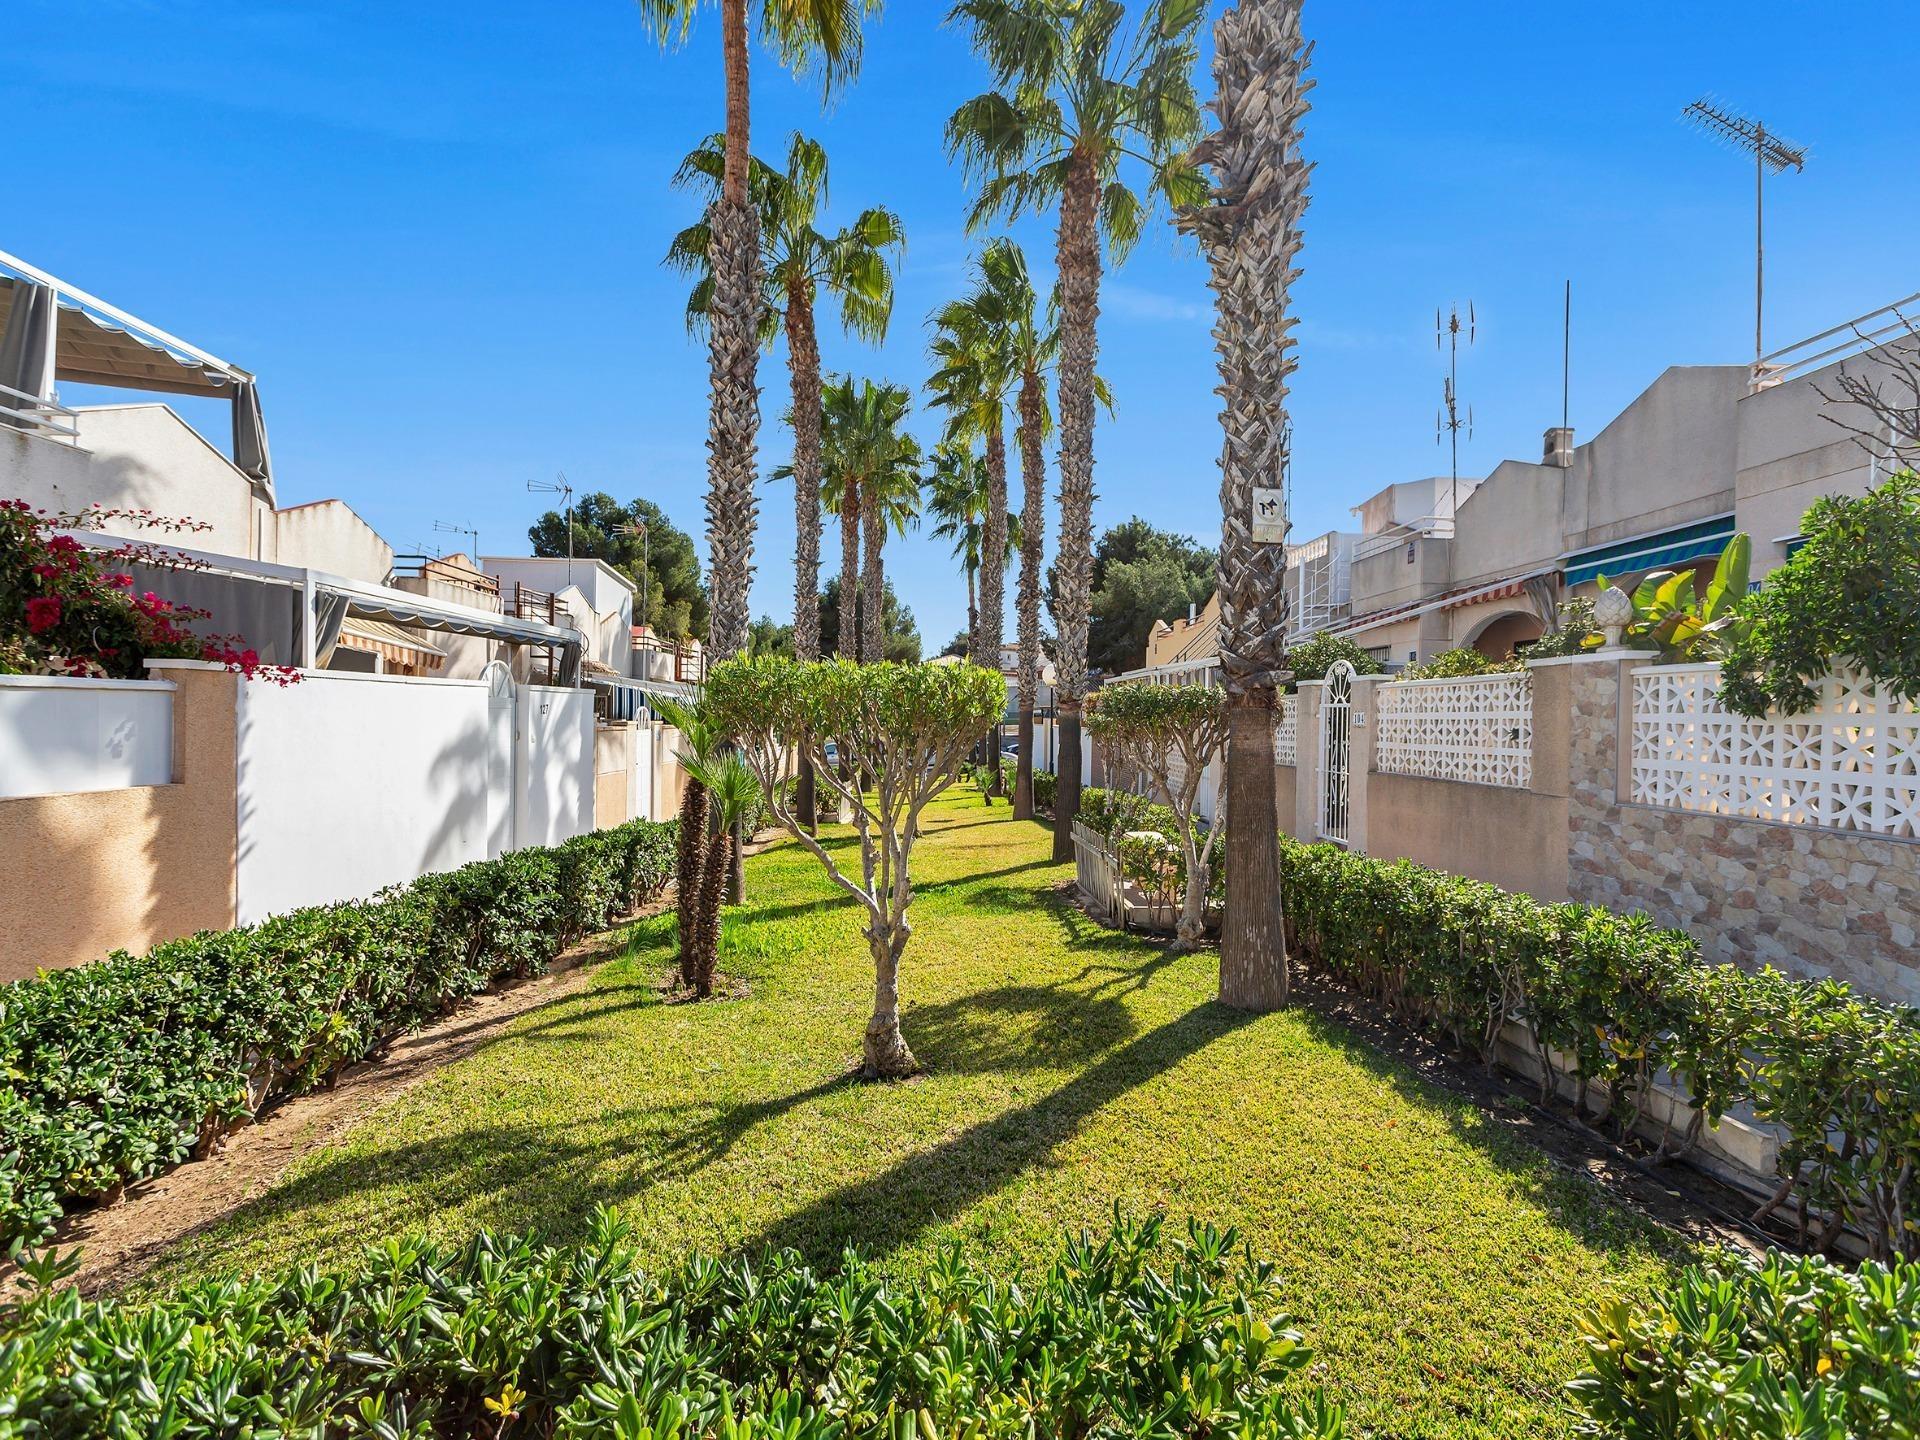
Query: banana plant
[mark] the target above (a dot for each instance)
(1670, 618)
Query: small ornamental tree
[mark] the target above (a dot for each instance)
(904, 727)
(1152, 729)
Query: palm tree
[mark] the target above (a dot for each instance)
(975, 376)
(957, 500)
(727, 778)
(805, 34)
(870, 478)
(699, 745)
(1079, 93)
(800, 263)
(1251, 235)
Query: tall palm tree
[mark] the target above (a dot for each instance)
(1079, 91)
(975, 377)
(800, 264)
(1251, 234)
(822, 35)
(957, 500)
(870, 478)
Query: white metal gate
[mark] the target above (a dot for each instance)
(500, 752)
(1336, 744)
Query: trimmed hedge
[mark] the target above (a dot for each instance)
(1623, 1000)
(120, 1069)
(1777, 1350)
(507, 1336)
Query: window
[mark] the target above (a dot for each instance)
(1413, 549)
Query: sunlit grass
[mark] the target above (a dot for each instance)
(1436, 1264)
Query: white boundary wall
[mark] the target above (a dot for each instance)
(350, 783)
(61, 736)
(553, 759)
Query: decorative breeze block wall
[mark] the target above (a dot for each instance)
(1478, 729)
(1850, 763)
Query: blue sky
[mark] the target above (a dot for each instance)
(434, 232)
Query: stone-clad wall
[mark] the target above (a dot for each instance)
(1809, 902)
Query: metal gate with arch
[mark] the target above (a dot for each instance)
(1336, 746)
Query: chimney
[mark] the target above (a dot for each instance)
(1558, 449)
(1193, 612)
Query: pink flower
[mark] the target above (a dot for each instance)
(120, 582)
(43, 613)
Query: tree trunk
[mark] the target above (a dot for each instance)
(885, 1049)
(803, 359)
(713, 886)
(733, 421)
(993, 584)
(1079, 259)
(873, 580)
(847, 647)
(1250, 231)
(1066, 776)
(690, 851)
(1033, 530)
(1190, 930)
(973, 616)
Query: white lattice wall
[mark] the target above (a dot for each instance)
(1850, 763)
(1286, 740)
(1478, 729)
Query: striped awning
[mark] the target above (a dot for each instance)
(1659, 550)
(390, 643)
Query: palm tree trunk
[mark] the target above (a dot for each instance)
(1079, 260)
(1033, 516)
(873, 580)
(733, 420)
(993, 584)
(973, 616)
(713, 886)
(847, 647)
(803, 362)
(690, 853)
(1250, 231)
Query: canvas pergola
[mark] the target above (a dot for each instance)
(52, 331)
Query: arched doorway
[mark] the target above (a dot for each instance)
(1503, 634)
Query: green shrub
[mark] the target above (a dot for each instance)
(1576, 624)
(506, 1336)
(1461, 662)
(1787, 1349)
(1317, 654)
(1043, 783)
(1847, 599)
(1624, 1000)
(120, 1069)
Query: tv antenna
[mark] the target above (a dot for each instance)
(1771, 155)
(1448, 423)
(447, 527)
(559, 485)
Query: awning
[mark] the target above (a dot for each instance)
(98, 345)
(1450, 600)
(391, 643)
(1659, 550)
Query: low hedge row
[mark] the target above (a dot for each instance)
(120, 1069)
(1780, 1349)
(507, 1336)
(1623, 1001)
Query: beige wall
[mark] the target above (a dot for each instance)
(147, 456)
(127, 868)
(327, 535)
(613, 747)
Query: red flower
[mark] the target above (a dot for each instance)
(43, 613)
(47, 572)
(120, 582)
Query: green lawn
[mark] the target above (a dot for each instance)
(1436, 1264)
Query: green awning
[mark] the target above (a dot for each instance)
(1660, 550)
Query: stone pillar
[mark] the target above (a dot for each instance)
(1360, 752)
(1308, 781)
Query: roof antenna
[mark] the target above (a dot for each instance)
(1771, 155)
(1566, 351)
(1448, 422)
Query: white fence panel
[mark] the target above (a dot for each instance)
(555, 765)
(1850, 763)
(1097, 872)
(349, 783)
(1477, 729)
(61, 736)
